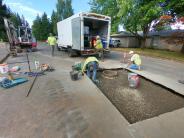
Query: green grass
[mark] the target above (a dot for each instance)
(164, 54)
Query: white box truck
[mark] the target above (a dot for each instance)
(77, 33)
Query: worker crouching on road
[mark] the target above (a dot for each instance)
(52, 42)
(99, 47)
(91, 65)
(135, 61)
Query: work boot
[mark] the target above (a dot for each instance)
(96, 81)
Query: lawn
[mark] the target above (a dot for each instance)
(164, 54)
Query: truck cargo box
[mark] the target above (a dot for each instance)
(77, 32)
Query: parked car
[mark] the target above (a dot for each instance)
(114, 43)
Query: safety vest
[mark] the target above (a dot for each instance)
(51, 40)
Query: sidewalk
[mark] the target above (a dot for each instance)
(58, 107)
(3, 51)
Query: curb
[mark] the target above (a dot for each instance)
(4, 59)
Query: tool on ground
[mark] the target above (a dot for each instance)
(47, 67)
(37, 65)
(28, 61)
(33, 74)
(7, 83)
(31, 87)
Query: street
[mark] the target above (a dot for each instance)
(170, 69)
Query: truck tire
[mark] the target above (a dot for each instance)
(71, 52)
(59, 49)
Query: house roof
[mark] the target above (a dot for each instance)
(122, 34)
(163, 33)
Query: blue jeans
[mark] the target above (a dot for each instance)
(92, 73)
(134, 66)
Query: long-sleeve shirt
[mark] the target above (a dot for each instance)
(99, 44)
(136, 59)
(52, 41)
(89, 59)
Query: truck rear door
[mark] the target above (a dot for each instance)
(76, 33)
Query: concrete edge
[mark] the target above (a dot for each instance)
(158, 83)
(5, 58)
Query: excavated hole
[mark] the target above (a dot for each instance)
(147, 101)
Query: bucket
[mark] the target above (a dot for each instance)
(134, 80)
(75, 75)
(4, 68)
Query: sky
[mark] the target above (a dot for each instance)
(30, 8)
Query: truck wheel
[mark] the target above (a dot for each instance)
(59, 49)
(71, 52)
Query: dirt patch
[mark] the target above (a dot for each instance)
(148, 101)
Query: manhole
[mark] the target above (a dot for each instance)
(110, 74)
(147, 101)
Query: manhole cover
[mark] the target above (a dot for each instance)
(110, 74)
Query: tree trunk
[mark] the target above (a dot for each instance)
(143, 42)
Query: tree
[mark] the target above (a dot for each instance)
(15, 18)
(177, 6)
(41, 27)
(4, 12)
(45, 27)
(107, 7)
(36, 28)
(54, 21)
(64, 9)
(137, 15)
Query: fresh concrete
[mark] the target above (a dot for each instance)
(164, 72)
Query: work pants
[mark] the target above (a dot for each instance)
(92, 73)
(52, 49)
(100, 53)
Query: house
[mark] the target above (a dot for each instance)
(126, 39)
(157, 40)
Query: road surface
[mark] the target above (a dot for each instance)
(167, 68)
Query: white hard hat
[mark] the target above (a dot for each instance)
(131, 52)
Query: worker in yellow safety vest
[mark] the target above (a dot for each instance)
(91, 65)
(52, 42)
(99, 47)
(135, 61)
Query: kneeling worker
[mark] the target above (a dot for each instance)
(135, 61)
(91, 65)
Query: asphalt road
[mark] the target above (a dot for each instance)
(166, 68)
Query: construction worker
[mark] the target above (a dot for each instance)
(91, 65)
(52, 42)
(99, 47)
(135, 61)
